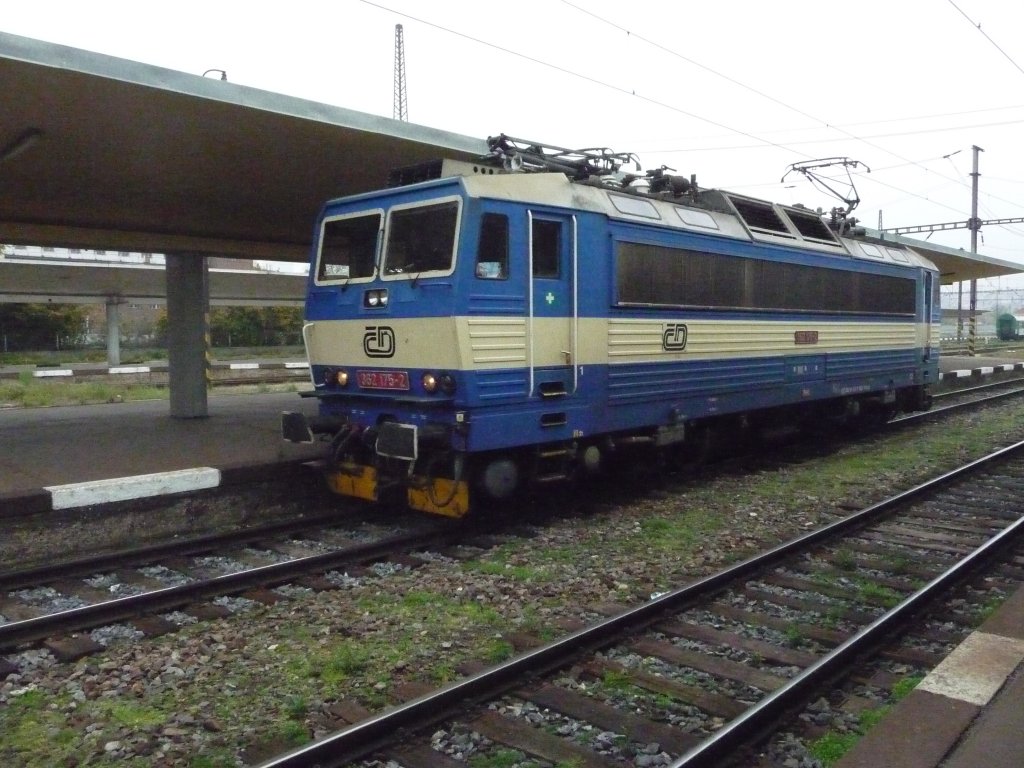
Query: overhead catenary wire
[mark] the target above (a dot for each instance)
(797, 110)
(888, 120)
(824, 123)
(985, 34)
(941, 129)
(572, 73)
(761, 139)
(736, 82)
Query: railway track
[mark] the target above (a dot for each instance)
(965, 399)
(188, 575)
(969, 388)
(699, 675)
(141, 596)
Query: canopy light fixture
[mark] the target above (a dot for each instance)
(20, 143)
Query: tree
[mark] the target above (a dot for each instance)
(256, 326)
(161, 326)
(247, 326)
(41, 326)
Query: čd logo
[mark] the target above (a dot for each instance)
(673, 339)
(379, 341)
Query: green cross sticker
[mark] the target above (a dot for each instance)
(550, 298)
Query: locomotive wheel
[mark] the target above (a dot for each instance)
(499, 478)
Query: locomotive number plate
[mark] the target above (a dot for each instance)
(383, 379)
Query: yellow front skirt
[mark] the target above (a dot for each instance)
(360, 481)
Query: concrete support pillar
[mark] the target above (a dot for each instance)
(113, 332)
(188, 301)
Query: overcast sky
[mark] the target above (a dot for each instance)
(733, 91)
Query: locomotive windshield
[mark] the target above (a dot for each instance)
(348, 247)
(421, 238)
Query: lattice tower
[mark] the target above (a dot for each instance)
(401, 107)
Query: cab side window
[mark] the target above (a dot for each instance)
(492, 250)
(546, 247)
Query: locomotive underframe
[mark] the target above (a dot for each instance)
(427, 467)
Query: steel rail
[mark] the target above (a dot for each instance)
(168, 598)
(977, 388)
(945, 409)
(769, 710)
(43, 574)
(360, 739)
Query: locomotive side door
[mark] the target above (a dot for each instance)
(929, 299)
(553, 305)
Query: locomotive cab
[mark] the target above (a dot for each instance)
(438, 331)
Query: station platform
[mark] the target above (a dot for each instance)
(963, 366)
(75, 448)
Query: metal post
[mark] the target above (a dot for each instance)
(974, 225)
(959, 311)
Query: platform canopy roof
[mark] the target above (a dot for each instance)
(102, 152)
(954, 264)
(24, 281)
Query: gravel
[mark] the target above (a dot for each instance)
(48, 598)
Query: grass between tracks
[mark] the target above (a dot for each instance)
(833, 745)
(264, 681)
(29, 392)
(140, 355)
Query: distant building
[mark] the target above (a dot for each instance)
(115, 257)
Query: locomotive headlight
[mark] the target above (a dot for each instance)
(377, 297)
(429, 382)
(332, 376)
(447, 383)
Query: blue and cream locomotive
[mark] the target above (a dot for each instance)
(484, 327)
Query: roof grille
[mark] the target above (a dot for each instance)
(762, 216)
(810, 225)
(413, 174)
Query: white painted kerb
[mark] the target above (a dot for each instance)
(136, 487)
(976, 669)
